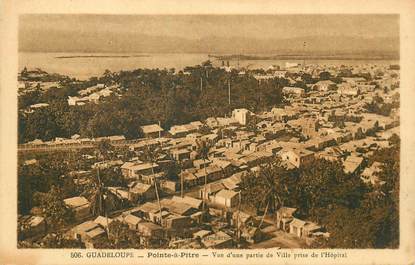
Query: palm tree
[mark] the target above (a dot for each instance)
(269, 188)
(105, 148)
(102, 199)
(274, 180)
(273, 186)
(203, 148)
(151, 154)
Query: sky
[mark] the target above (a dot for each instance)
(36, 29)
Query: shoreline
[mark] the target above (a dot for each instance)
(99, 56)
(303, 57)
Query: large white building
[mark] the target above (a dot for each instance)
(241, 115)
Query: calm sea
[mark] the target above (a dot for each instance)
(86, 67)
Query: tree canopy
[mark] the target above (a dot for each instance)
(145, 96)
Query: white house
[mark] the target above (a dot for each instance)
(241, 115)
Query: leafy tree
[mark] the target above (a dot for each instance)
(54, 208)
(40, 177)
(394, 139)
(112, 177)
(146, 96)
(59, 93)
(252, 124)
(204, 129)
(362, 227)
(307, 78)
(121, 236)
(25, 192)
(173, 170)
(325, 185)
(105, 149)
(356, 216)
(59, 240)
(227, 133)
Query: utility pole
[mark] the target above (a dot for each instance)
(229, 90)
(201, 84)
(263, 217)
(182, 184)
(304, 44)
(159, 130)
(237, 218)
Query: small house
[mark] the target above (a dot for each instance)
(141, 192)
(132, 221)
(89, 232)
(136, 170)
(152, 131)
(284, 217)
(298, 156)
(211, 190)
(293, 91)
(181, 154)
(369, 175)
(193, 202)
(324, 85)
(80, 207)
(352, 164)
(297, 227)
(242, 219)
(147, 211)
(177, 223)
(232, 183)
(189, 179)
(200, 163)
(226, 198)
(252, 234)
(178, 208)
(103, 221)
(31, 226)
(150, 230)
(218, 240)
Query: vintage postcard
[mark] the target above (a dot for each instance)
(231, 132)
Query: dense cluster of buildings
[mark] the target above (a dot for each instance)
(327, 120)
(91, 94)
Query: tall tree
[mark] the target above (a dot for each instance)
(203, 148)
(103, 201)
(269, 188)
(151, 154)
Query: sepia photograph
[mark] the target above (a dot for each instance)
(215, 131)
(200, 132)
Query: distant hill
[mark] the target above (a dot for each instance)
(114, 42)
